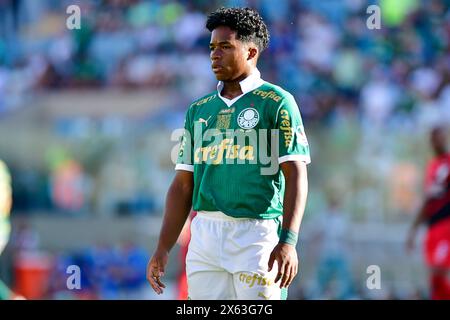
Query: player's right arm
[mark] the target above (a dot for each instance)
(178, 207)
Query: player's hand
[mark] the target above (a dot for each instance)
(286, 257)
(155, 270)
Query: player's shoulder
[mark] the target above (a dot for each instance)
(4, 172)
(208, 98)
(439, 160)
(433, 164)
(3, 167)
(273, 92)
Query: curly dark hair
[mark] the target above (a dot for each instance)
(247, 23)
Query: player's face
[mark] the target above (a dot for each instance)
(229, 56)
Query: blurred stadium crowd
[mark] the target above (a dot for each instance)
(323, 52)
(338, 69)
(367, 95)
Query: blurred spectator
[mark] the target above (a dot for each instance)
(379, 97)
(69, 186)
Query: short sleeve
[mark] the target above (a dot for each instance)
(185, 153)
(5, 191)
(293, 144)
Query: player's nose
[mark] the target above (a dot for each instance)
(215, 55)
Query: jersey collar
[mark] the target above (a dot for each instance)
(250, 83)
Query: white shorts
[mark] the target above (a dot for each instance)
(228, 258)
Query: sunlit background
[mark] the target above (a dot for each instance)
(86, 118)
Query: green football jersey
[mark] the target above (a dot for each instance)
(5, 204)
(234, 148)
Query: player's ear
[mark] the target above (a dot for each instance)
(252, 52)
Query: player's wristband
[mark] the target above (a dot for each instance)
(289, 237)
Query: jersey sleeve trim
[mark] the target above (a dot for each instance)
(185, 167)
(295, 157)
(278, 111)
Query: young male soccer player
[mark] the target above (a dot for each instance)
(5, 225)
(435, 212)
(244, 236)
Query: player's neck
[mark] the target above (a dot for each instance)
(232, 89)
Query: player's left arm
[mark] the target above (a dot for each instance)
(421, 215)
(293, 157)
(296, 190)
(419, 219)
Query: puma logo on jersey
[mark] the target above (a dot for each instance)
(201, 120)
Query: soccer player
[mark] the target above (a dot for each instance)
(5, 226)
(435, 212)
(243, 239)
